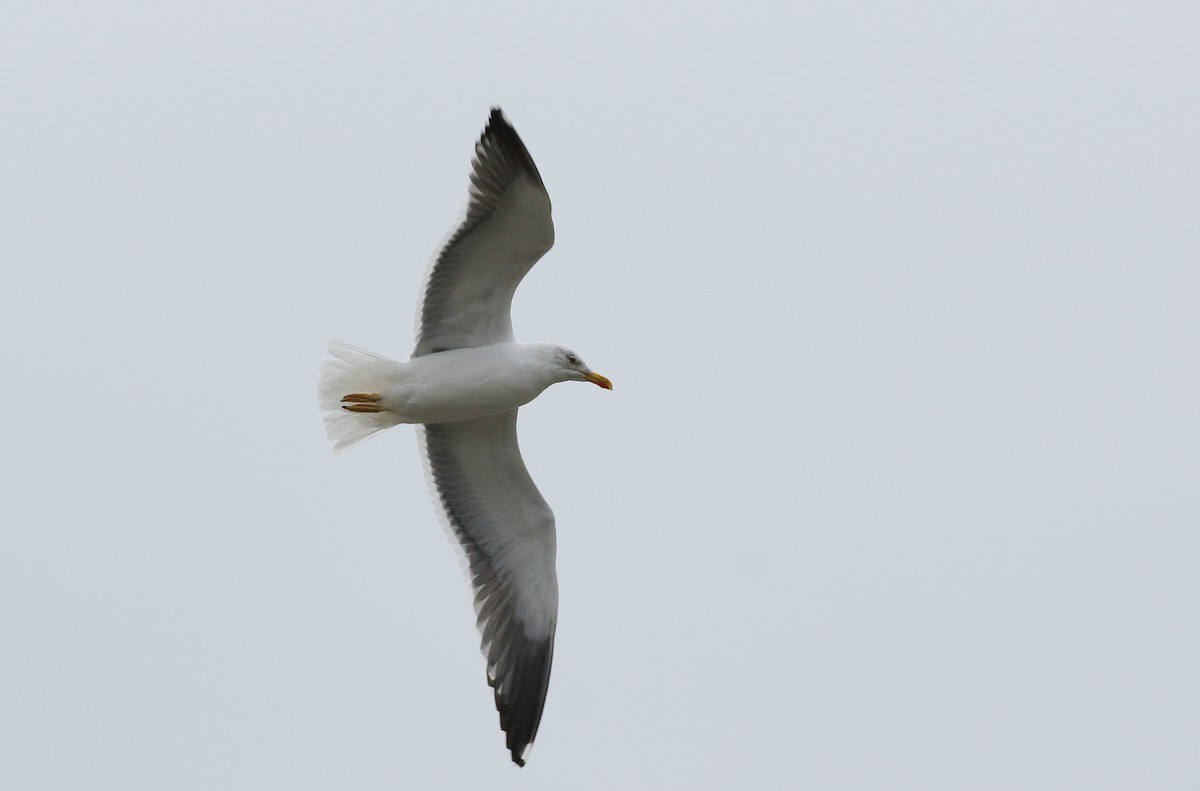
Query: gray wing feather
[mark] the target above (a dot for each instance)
(468, 290)
(506, 532)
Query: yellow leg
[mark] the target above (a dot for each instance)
(362, 407)
(362, 398)
(362, 402)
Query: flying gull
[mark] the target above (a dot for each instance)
(462, 387)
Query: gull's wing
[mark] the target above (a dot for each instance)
(469, 288)
(506, 531)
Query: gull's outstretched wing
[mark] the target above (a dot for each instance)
(506, 531)
(469, 289)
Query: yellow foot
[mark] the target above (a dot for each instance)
(362, 402)
(362, 398)
(362, 407)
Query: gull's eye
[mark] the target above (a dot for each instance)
(572, 359)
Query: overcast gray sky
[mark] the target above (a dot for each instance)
(897, 488)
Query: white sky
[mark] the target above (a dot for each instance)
(898, 488)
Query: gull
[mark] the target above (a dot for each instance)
(461, 388)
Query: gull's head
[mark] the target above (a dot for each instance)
(572, 368)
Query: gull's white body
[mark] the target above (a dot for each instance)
(467, 377)
(463, 384)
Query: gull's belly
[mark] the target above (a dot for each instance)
(459, 385)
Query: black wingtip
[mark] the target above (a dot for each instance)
(521, 692)
(497, 118)
(500, 135)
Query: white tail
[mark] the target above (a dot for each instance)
(348, 370)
